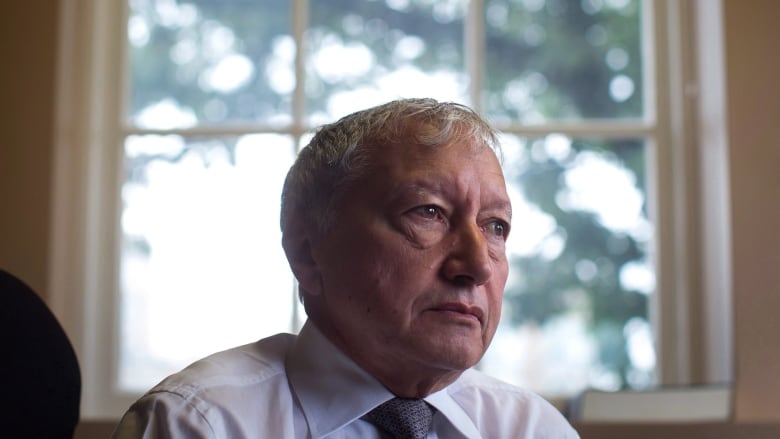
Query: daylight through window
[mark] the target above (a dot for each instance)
(223, 94)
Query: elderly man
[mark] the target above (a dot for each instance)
(394, 222)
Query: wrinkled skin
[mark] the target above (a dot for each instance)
(409, 281)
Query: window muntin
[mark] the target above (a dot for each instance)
(548, 175)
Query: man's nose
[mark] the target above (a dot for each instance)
(468, 261)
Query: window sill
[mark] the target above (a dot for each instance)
(714, 430)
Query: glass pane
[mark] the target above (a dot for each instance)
(362, 53)
(208, 61)
(577, 300)
(202, 265)
(563, 60)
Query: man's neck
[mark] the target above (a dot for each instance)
(402, 377)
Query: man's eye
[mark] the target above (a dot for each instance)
(428, 211)
(498, 228)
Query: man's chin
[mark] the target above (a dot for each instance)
(454, 356)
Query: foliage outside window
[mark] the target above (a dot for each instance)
(218, 105)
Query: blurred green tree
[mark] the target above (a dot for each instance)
(545, 60)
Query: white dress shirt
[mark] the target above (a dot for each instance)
(288, 386)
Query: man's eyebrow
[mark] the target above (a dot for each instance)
(424, 186)
(435, 187)
(505, 207)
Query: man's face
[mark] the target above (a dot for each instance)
(413, 270)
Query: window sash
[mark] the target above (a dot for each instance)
(88, 156)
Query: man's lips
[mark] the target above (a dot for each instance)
(460, 308)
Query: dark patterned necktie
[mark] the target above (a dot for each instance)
(403, 418)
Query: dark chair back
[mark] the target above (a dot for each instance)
(41, 382)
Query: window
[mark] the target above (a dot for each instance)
(178, 247)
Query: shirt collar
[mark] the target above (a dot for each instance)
(447, 406)
(334, 391)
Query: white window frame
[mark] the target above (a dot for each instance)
(692, 266)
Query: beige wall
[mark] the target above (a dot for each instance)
(753, 95)
(28, 35)
(28, 53)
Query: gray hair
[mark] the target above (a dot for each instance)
(340, 152)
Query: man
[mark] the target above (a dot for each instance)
(394, 221)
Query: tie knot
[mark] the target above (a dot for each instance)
(403, 418)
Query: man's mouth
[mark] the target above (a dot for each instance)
(460, 310)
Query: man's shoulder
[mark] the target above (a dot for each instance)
(251, 364)
(217, 396)
(473, 381)
(492, 402)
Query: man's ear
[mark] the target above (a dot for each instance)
(297, 244)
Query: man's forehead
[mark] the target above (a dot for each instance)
(488, 188)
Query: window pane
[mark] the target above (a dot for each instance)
(563, 60)
(202, 265)
(207, 61)
(363, 53)
(577, 300)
